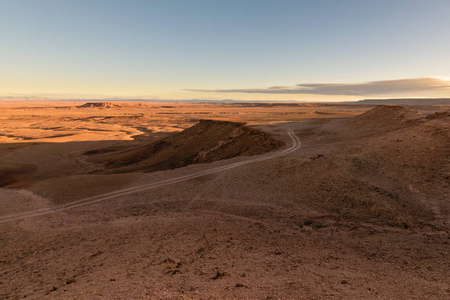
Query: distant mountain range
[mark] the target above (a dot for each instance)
(402, 101)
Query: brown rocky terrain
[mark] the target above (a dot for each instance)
(394, 167)
(359, 211)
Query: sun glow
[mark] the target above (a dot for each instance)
(443, 78)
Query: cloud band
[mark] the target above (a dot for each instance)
(430, 84)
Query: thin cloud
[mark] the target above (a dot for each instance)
(428, 84)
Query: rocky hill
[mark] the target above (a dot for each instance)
(205, 142)
(384, 116)
(389, 165)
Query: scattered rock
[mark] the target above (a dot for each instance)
(218, 275)
(96, 253)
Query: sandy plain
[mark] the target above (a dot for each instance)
(359, 211)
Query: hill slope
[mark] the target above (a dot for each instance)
(383, 116)
(389, 165)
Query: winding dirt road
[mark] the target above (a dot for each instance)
(99, 198)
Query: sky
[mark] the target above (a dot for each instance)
(314, 50)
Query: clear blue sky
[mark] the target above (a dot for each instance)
(225, 49)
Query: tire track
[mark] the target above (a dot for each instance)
(99, 198)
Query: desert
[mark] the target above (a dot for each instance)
(187, 200)
(224, 149)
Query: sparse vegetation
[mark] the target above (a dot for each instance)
(318, 225)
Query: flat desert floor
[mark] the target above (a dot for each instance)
(350, 202)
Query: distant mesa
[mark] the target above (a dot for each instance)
(98, 105)
(207, 141)
(408, 101)
(108, 105)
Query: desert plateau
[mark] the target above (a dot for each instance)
(187, 200)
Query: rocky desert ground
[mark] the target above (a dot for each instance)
(224, 201)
